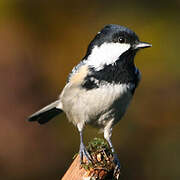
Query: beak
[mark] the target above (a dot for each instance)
(140, 45)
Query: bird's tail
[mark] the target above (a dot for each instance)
(46, 113)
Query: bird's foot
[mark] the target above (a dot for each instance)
(84, 153)
(117, 168)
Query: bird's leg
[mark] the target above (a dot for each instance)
(83, 151)
(107, 136)
(116, 159)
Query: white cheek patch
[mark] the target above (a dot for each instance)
(107, 53)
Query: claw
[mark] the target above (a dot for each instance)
(84, 153)
(117, 169)
(117, 172)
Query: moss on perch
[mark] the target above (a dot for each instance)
(102, 166)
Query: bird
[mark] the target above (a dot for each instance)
(100, 88)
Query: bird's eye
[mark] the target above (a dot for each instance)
(121, 40)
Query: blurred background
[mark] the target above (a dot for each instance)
(41, 41)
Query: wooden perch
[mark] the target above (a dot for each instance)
(102, 168)
(75, 171)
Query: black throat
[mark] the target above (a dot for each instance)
(123, 71)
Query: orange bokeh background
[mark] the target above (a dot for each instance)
(40, 42)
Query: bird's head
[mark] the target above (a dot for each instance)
(112, 43)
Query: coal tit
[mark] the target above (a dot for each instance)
(100, 88)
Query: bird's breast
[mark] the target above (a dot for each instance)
(97, 106)
(110, 103)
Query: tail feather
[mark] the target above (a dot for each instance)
(46, 114)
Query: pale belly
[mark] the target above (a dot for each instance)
(98, 106)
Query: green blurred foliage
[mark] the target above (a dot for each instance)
(40, 43)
